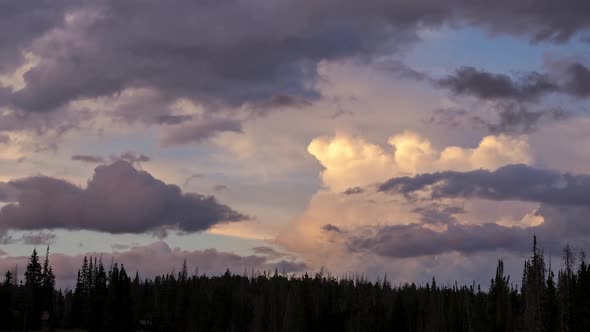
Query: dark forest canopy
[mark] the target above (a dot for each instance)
(109, 299)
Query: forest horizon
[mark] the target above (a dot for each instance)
(110, 299)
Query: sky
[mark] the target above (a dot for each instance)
(398, 138)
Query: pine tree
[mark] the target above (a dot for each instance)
(33, 285)
(33, 273)
(8, 279)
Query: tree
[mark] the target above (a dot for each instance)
(33, 285)
(33, 273)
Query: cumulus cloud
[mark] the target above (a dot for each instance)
(351, 162)
(117, 199)
(355, 227)
(159, 258)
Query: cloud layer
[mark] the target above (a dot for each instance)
(511, 182)
(265, 49)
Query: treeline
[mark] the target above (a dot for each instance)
(110, 300)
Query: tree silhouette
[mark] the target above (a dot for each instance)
(109, 300)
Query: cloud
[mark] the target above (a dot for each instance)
(38, 238)
(173, 119)
(438, 213)
(266, 49)
(199, 132)
(578, 83)
(263, 108)
(191, 178)
(413, 240)
(117, 199)
(220, 187)
(371, 230)
(517, 119)
(159, 258)
(88, 158)
(511, 182)
(353, 191)
(474, 82)
(352, 162)
(8, 193)
(331, 228)
(507, 118)
(569, 77)
(132, 158)
(267, 251)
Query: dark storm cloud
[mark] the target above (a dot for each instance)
(21, 22)
(117, 199)
(474, 82)
(572, 80)
(413, 240)
(512, 182)
(200, 132)
(266, 48)
(87, 158)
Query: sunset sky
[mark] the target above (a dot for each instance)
(407, 138)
